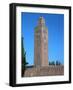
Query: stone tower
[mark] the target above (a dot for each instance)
(41, 44)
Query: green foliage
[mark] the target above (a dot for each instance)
(55, 63)
(58, 63)
(24, 63)
(52, 63)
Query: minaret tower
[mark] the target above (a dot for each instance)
(41, 44)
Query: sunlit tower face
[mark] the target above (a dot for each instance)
(41, 44)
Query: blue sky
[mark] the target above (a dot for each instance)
(55, 25)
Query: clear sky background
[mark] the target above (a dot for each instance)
(55, 25)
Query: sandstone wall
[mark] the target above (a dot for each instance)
(44, 71)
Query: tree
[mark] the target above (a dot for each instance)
(52, 63)
(55, 63)
(24, 63)
(58, 62)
